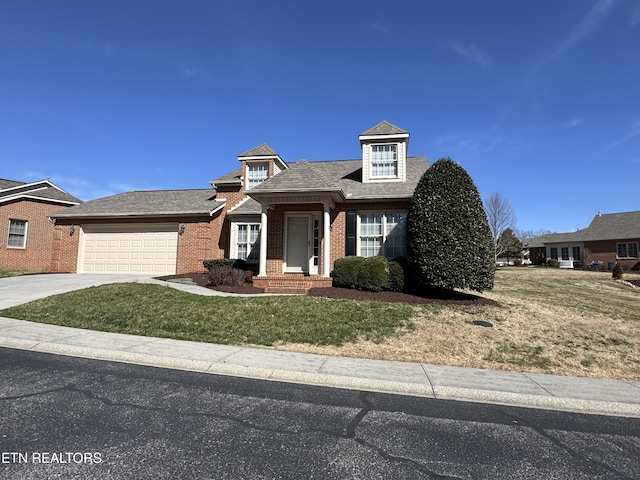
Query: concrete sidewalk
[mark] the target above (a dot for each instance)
(610, 397)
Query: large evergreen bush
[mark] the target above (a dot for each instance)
(449, 243)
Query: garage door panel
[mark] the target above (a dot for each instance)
(134, 249)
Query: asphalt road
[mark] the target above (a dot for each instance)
(64, 417)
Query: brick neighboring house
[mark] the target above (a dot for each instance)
(26, 234)
(290, 221)
(610, 238)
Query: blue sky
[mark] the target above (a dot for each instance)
(537, 100)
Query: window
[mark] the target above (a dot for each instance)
(383, 234)
(554, 253)
(17, 234)
(576, 254)
(256, 174)
(627, 250)
(565, 253)
(248, 242)
(384, 160)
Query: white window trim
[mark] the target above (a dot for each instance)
(255, 164)
(396, 161)
(233, 253)
(384, 225)
(24, 238)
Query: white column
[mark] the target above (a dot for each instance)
(262, 270)
(326, 236)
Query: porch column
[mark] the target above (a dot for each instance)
(326, 236)
(262, 269)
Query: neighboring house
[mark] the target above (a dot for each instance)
(26, 233)
(290, 221)
(610, 238)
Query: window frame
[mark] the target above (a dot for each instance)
(254, 180)
(384, 163)
(252, 248)
(628, 247)
(383, 235)
(23, 235)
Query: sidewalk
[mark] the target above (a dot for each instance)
(583, 395)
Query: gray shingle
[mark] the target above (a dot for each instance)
(147, 203)
(231, 178)
(261, 150)
(43, 190)
(384, 128)
(611, 226)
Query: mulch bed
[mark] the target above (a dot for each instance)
(435, 296)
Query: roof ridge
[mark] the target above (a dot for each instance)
(318, 174)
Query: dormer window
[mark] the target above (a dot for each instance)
(384, 160)
(256, 174)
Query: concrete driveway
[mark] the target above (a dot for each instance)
(26, 288)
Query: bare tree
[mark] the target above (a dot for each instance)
(500, 216)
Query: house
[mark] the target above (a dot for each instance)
(289, 221)
(610, 238)
(26, 234)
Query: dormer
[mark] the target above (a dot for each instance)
(258, 164)
(384, 153)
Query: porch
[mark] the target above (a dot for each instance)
(291, 283)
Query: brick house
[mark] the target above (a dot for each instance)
(26, 233)
(290, 221)
(608, 239)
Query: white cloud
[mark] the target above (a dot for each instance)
(634, 131)
(191, 72)
(473, 53)
(574, 122)
(583, 29)
(380, 28)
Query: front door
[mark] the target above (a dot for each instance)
(297, 253)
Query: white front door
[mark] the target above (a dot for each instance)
(297, 249)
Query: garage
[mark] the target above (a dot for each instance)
(135, 249)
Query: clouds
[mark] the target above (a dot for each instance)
(632, 133)
(472, 52)
(574, 122)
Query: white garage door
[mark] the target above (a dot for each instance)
(135, 249)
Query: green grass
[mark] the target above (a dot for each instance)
(11, 273)
(160, 311)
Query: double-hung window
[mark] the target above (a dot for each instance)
(17, 234)
(256, 174)
(565, 253)
(382, 234)
(248, 242)
(553, 253)
(627, 250)
(576, 254)
(384, 160)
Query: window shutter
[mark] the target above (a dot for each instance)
(350, 234)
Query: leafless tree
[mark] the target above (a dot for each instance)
(500, 216)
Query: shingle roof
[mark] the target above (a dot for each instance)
(147, 203)
(248, 207)
(342, 176)
(611, 226)
(44, 190)
(231, 178)
(384, 128)
(260, 150)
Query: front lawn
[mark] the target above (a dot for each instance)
(160, 311)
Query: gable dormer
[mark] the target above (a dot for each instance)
(258, 164)
(384, 153)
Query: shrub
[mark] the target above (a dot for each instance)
(517, 262)
(396, 277)
(226, 275)
(617, 272)
(553, 262)
(449, 243)
(345, 271)
(373, 274)
(232, 262)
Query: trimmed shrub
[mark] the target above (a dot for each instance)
(617, 272)
(345, 271)
(232, 262)
(449, 243)
(553, 262)
(226, 275)
(374, 274)
(396, 277)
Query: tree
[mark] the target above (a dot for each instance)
(510, 244)
(448, 238)
(500, 217)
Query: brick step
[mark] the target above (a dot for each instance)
(286, 290)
